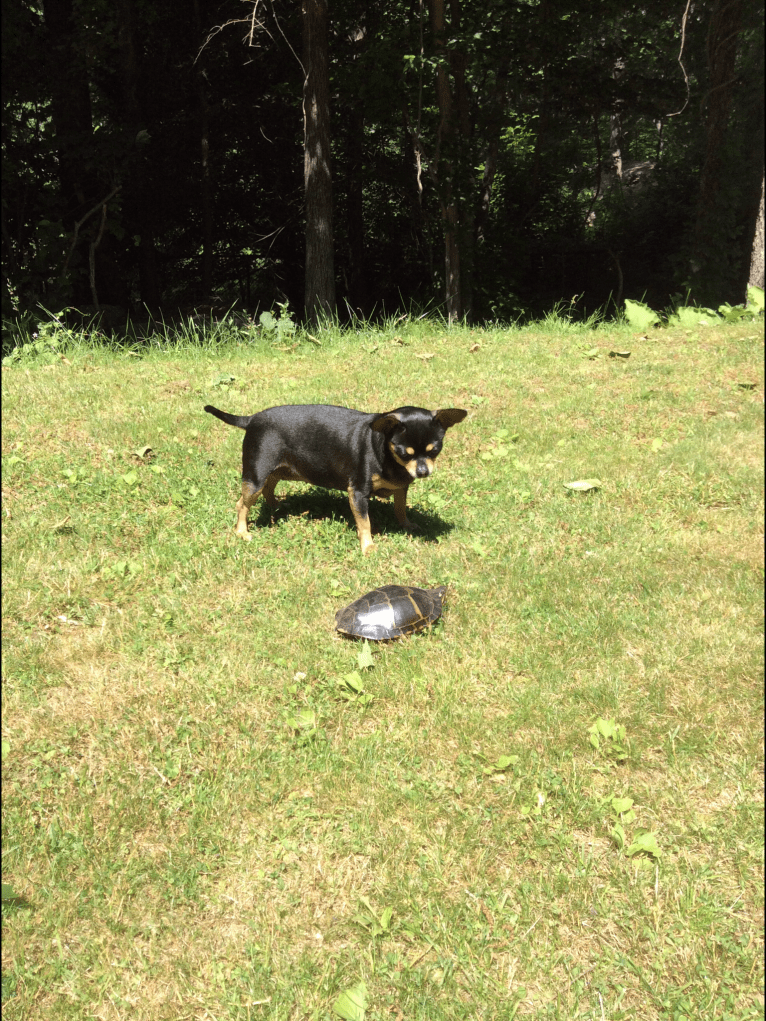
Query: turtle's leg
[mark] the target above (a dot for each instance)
(360, 509)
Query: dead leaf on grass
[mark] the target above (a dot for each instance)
(583, 485)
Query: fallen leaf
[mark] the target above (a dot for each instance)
(351, 1005)
(584, 485)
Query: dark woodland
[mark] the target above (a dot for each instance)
(487, 160)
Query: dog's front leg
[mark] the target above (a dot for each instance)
(400, 509)
(360, 504)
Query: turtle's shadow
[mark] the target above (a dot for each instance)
(322, 504)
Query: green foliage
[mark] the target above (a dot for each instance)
(640, 316)
(689, 317)
(369, 919)
(51, 337)
(622, 815)
(556, 221)
(281, 328)
(609, 738)
(351, 688)
(304, 723)
(364, 657)
(734, 313)
(644, 842)
(501, 764)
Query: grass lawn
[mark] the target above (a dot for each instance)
(202, 820)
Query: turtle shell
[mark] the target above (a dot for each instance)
(390, 612)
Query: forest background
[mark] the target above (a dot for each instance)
(485, 159)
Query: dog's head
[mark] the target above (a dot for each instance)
(414, 436)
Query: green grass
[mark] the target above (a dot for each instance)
(182, 851)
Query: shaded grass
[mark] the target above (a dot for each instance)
(184, 852)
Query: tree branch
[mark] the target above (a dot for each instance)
(87, 216)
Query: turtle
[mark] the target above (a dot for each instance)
(390, 611)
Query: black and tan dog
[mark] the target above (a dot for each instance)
(338, 448)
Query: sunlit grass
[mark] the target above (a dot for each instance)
(182, 850)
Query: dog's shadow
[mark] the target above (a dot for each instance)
(322, 504)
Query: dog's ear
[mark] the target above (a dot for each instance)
(449, 416)
(386, 423)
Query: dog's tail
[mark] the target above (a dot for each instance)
(240, 421)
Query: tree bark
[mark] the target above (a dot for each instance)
(756, 258)
(446, 135)
(711, 258)
(206, 184)
(493, 118)
(320, 269)
(139, 195)
(357, 283)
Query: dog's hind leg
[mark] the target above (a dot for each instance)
(249, 495)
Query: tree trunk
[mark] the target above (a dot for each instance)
(446, 135)
(139, 194)
(207, 201)
(756, 259)
(493, 119)
(320, 271)
(712, 252)
(357, 283)
(752, 163)
(72, 125)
